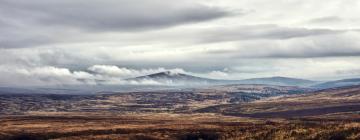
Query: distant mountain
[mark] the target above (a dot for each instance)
(338, 83)
(284, 81)
(172, 78)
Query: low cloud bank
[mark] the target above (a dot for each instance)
(94, 75)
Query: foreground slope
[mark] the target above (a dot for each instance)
(162, 126)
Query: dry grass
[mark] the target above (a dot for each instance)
(174, 126)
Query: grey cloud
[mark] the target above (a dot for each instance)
(218, 34)
(26, 23)
(19, 33)
(40, 56)
(314, 53)
(349, 71)
(21, 40)
(287, 52)
(332, 45)
(327, 19)
(254, 32)
(110, 15)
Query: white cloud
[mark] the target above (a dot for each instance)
(123, 73)
(217, 75)
(20, 75)
(113, 71)
(42, 76)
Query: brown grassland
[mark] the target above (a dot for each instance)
(177, 126)
(323, 115)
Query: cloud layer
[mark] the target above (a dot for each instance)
(87, 42)
(94, 75)
(30, 23)
(111, 15)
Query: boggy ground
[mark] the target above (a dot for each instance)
(67, 126)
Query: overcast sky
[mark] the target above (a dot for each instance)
(67, 41)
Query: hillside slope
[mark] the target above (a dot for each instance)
(338, 83)
(338, 100)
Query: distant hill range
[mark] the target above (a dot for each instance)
(338, 83)
(175, 81)
(328, 101)
(283, 81)
(173, 78)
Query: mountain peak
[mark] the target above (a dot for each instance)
(171, 73)
(166, 74)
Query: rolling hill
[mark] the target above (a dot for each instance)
(338, 83)
(284, 81)
(319, 103)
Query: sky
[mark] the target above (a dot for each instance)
(52, 42)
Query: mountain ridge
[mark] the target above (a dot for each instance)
(186, 79)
